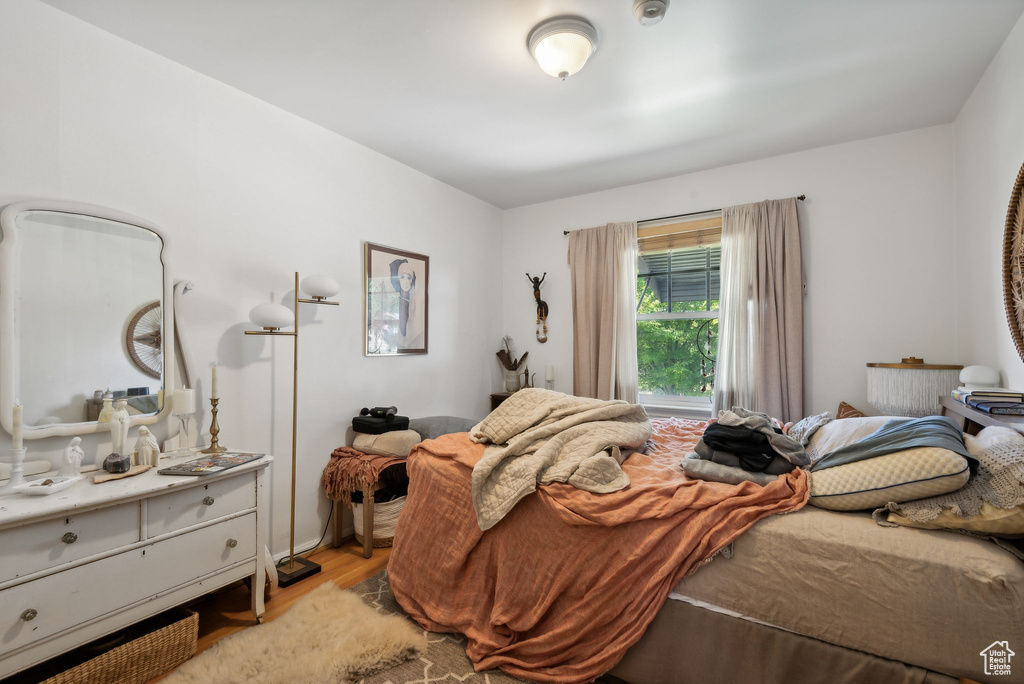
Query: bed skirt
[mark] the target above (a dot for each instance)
(686, 644)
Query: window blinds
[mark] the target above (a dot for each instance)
(688, 234)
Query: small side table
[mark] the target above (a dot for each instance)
(340, 516)
(974, 420)
(499, 397)
(339, 521)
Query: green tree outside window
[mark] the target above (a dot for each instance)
(676, 345)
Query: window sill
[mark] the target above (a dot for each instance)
(688, 412)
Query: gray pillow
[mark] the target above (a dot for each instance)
(433, 427)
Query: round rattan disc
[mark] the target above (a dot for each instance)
(1013, 264)
(143, 339)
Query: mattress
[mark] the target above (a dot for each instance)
(931, 598)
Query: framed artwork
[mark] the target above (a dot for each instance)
(395, 293)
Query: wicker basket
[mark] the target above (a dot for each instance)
(385, 517)
(141, 659)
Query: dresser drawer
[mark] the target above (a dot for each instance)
(181, 509)
(51, 543)
(41, 608)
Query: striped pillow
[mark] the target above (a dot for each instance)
(847, 411)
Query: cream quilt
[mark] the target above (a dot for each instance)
(539, 437)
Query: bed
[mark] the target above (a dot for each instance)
(805, 596)
(881, 605)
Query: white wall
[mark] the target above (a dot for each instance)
(989, 135)
(247, 194)
(877, 234)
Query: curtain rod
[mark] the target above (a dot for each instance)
(675, 216)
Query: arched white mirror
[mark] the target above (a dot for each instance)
(85, 307)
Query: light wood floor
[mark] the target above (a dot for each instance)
(223, 613)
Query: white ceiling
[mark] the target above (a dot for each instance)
(449, 88)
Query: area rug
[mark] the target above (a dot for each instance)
(445, 659)
(329, 635)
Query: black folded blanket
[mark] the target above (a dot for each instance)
(734, 445)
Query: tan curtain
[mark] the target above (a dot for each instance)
(602, 266)
(761, 326)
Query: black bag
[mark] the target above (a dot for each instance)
(372, 425)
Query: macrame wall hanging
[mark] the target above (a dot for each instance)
(542, 308)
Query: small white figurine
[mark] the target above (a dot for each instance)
(71, 461)
(108, 407)
(147, 451)
(120, 423)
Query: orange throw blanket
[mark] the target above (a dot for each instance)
(568, 580)
(350, 469)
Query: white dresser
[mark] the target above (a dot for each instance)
(94, 558)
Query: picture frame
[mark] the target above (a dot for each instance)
(395, 301)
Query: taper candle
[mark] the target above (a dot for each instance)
(213, 386)
(16, 431)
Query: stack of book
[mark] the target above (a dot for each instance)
(995, 400)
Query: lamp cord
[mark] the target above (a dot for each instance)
(322, 536)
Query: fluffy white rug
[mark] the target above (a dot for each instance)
(328, 636)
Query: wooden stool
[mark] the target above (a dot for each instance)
(339, 517)
(339, 521)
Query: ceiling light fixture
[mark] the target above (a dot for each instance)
(562, 45)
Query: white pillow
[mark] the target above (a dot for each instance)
(397, 443)
(844, 431)
(900, 476)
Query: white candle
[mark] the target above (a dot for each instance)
(213, 387)
(183, 403)
(16, 432)
(549, 372)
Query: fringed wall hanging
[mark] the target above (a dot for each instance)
(910, 387)
(542, 308)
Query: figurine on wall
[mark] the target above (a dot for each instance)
(71, 461)
(120, 423)
(542, 308)
(147, 451)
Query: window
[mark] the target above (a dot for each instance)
(678, 286)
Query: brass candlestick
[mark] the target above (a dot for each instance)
(214, 448)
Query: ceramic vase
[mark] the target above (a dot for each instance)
(512, 381)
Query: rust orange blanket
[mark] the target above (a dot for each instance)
(568, 580)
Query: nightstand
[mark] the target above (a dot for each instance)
(974, 420)
(499, 397)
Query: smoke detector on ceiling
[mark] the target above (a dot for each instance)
(650, 12)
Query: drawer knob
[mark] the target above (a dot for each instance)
(208, 501)
(69, 538)
(232, 543)
(29, 615)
